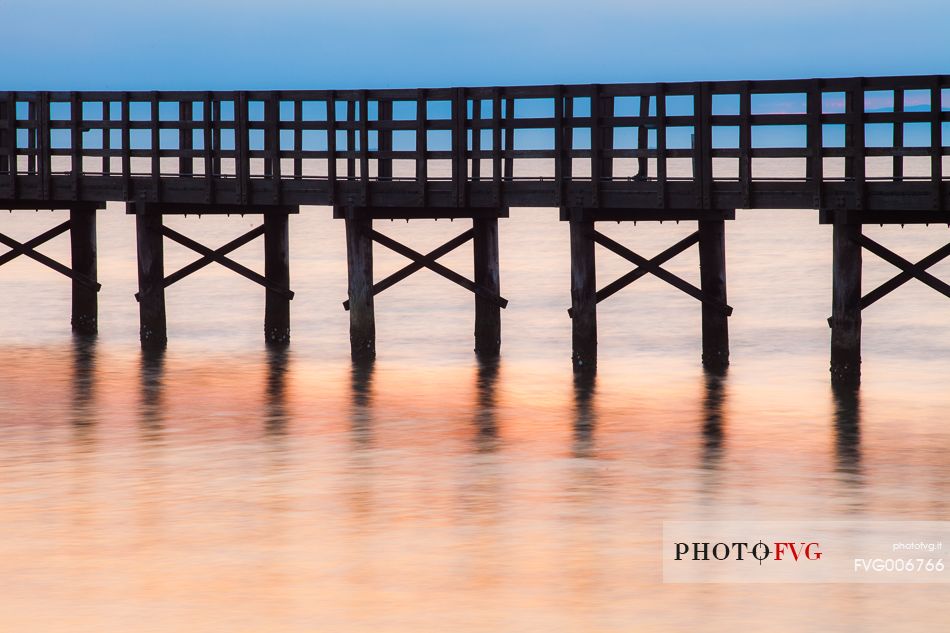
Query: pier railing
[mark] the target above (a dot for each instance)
(852, 143)
(861, 150)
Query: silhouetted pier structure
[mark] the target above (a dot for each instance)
(611, 152)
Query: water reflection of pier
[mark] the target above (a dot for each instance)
(84, 383)
(152, 376)
(847, 422)
(714, 398)
(486, 423)
(585, 417)
(275, 409)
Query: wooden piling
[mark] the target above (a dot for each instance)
(487, 313)
(359, 264)
(148, 232)
(82, 237)
(583, 296)
(846, 303)
(277, 273)
(712, 273)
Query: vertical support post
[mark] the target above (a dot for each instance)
(148, 234)
(359, 264)
(712, 274)
(583, 296)
(487, 314)
(82, 237)
(277, 273)
(846, 303)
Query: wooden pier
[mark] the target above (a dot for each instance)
(611, 152)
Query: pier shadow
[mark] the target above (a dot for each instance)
(152, 377)
(276, 417)
(486, 426)
(84, 385)
(714, 399)
(847, 419)
(585, 415)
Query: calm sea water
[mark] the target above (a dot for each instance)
(225, 487)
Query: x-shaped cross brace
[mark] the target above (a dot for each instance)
(420, 261)
(28, 249)
(653, 266)
(219, 255)
(908, 270)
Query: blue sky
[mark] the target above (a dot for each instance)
(218, 44)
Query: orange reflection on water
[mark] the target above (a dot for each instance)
(291, 496)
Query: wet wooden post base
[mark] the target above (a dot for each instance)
(846, 304)
(487, 314)
(277, 273)
(359, 264)
(82, 236)
(712, 273)
(583, 296)
(148, 233)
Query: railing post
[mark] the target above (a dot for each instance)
(598, 138)
(272, 167)
(75, 145)
(32, 136)
(384, 164)
(8, 129)
(703, 147)
(643, 136)
(155, 149)
(242, 161)
(459, 148)
(185, 138)
(815, 166)
(936, 146)
(422, 146)
(43, 144)
(331, 144)
(106, 138)
(364, 147)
